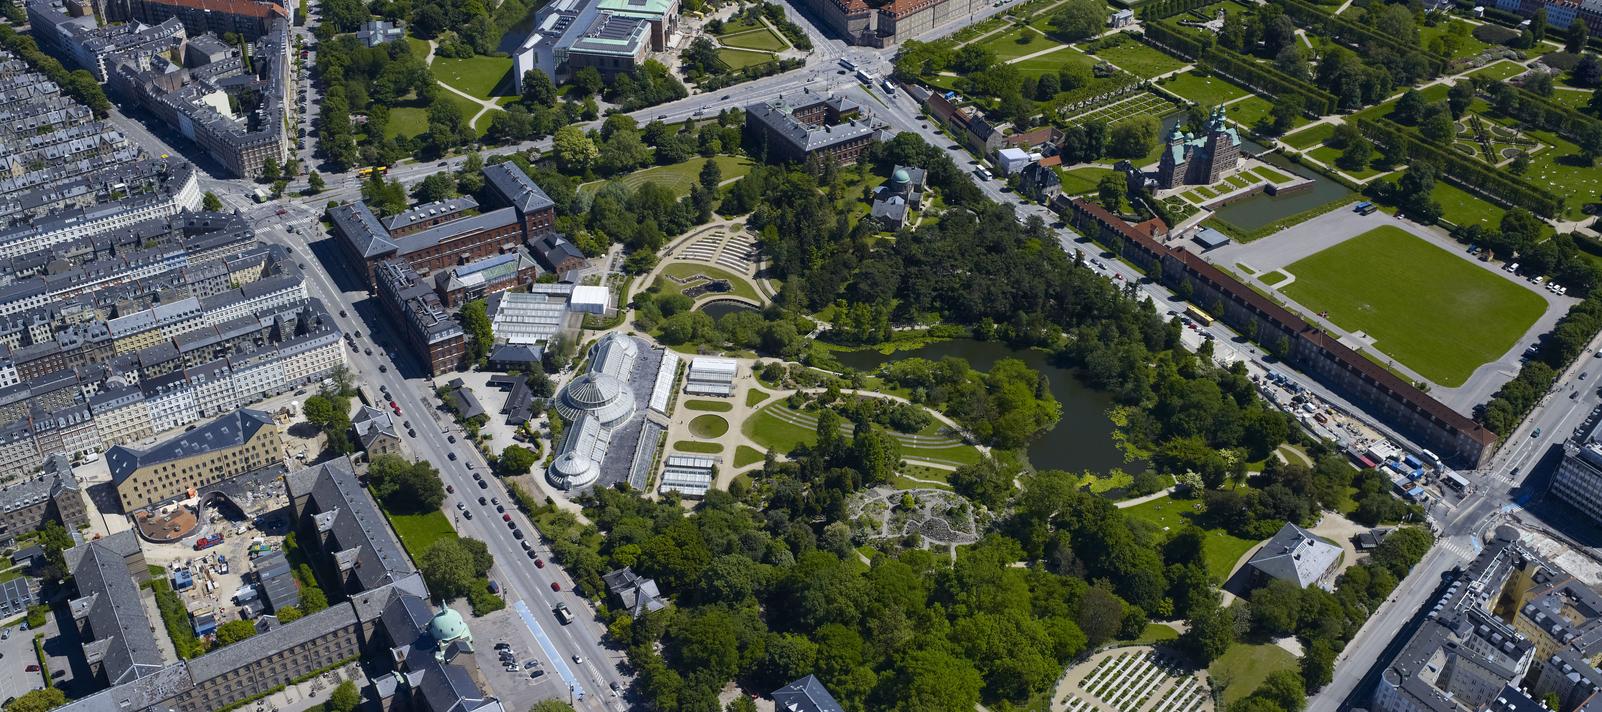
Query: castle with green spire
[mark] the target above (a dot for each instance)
(1199, 160)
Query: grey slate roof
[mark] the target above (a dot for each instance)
(425, 239)
(1295, 555)
(281, 638)
(412, 216)
(347, 512)
(805, 695)
(637, 594)
(516, 188)
(110, 600)
(357, 223)
(231, 430)
(779, 119)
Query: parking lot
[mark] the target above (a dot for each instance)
(520, 689)
(16, 654)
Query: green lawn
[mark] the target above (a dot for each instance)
(741, 58)
(1270, 175)
(697, 446)
(1243, 667)
(1498, 71)
(1139, 59)
(709, 426)
(1465, 44)
(406, 121)
(1017, 43)
(418, 47)
(1054, 62)
(1438, 314)
(1329, 155)
(479, 76)
(754, 396)
(1303, 140)
(1251, 110)
(746, 455)
(1207, 91)
(1458, 206)
(1576, 100)
(1155, 633)
(775, 434)
(417, 532)
(741, 286)
(780, 435)
(710, 406)
(1556, 169)
(1078, 181)
(678, 177)
(1222, 548)
(761, 38)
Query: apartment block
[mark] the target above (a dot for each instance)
(240, 442)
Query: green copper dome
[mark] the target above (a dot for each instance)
(447, 626)
(901, 177)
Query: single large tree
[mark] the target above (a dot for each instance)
(1078, 19)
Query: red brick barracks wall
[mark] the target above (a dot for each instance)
(1402, 406)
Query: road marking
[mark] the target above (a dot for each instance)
(550, 650)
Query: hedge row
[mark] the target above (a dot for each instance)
(1169, 8)
(1353, 33)
(1537, 110)
(1253, 74)
(1470, 173)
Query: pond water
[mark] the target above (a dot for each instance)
(1264, 209)
(1083, 438)
(719, 308)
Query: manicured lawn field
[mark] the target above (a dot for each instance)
(1270, 175)
(1243, 667)
(709, 426)
(778, 428)
(697, 446)
(1017, 43)
(1463, 43)
(1078, 181)
(1436, 313)
(1329, 155)
(1222, 548)
(1430, 94)
(1303, 140)
(754, 396)
(417, 532)
(1249, 111)
(1156, 633)
(679, 176)
(1208, 91)
(1140, 59)
(1498, 71)
(1464, 209)
(406, 121)
(479, 76)
(746, 455)
(1557, 170)
(1054, 62)
(761, 38)
(742, 58)
(709, 406)
(1571, 98)
(741, 286)
(418, 47)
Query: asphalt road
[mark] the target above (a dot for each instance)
(519, 578)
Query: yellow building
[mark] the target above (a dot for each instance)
(234, 444)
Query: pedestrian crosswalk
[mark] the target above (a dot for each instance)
(1462, 547)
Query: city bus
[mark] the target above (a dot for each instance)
(366, 171)
(1200, 316)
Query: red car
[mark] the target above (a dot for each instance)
(35, 668)
(554, 587)
(506, 517)
(539, 563)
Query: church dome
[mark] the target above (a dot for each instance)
(447, 626)
(901, 177)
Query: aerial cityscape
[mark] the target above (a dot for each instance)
(800, 355)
